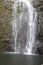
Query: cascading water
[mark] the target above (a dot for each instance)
(31, 29)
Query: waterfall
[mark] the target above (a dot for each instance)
(31, 31)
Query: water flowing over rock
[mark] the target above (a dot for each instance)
(25, 30)
(21, 26)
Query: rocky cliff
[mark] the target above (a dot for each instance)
(6, 27)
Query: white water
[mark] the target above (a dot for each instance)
(31, 25)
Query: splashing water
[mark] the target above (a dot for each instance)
(31, 26)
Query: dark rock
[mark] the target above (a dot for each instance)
(40, 50)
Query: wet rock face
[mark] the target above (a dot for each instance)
(5, 27)
(40, 50)
(22, 37)
(38, 5)
(38, 45)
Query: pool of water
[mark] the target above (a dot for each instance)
(20, 59)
